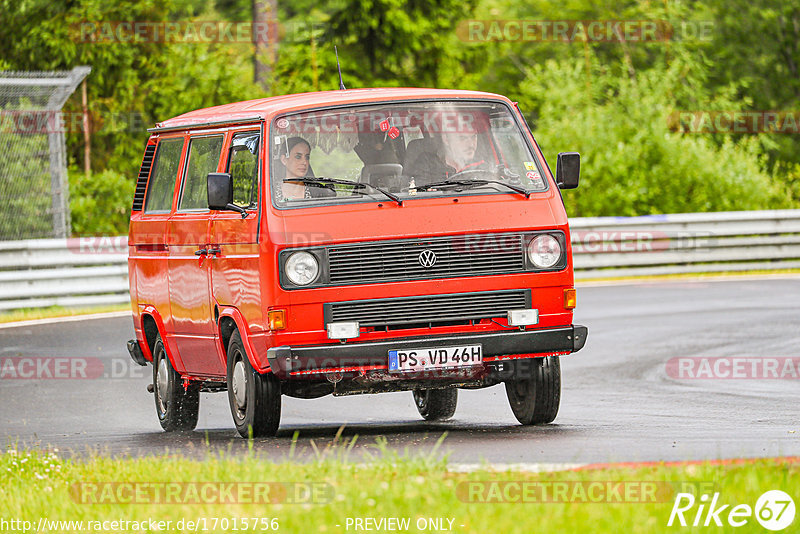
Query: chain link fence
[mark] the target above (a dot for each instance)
(34, 191)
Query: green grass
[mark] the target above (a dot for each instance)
(36, 484)
(29, 314)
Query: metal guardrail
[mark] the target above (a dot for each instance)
(685, 243)
(93, 271)
(63, 272)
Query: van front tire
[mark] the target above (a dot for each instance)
(177, 407)
(254, 398)
(535, 400)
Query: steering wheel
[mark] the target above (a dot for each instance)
(470, 171)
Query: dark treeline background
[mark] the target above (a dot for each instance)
(614, 101)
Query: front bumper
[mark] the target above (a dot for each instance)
(292, 362)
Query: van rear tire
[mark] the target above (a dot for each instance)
(254, 398)
(436, 404)
(177, 407)
(535, 400)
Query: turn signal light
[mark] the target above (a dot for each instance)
(277, 319)
(570, 298)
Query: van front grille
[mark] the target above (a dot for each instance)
(455, 256)
(428, 310)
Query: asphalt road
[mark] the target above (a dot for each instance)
(618, 401)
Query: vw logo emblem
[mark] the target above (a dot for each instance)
(427, 258)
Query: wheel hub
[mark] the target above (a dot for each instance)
(240, 385)
(162, 381)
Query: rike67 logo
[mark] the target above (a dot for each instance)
(774, 510)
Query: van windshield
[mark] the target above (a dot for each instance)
(409, 150)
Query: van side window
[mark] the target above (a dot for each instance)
(162, 179)
(243, 168)
(203, 158)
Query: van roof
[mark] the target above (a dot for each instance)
(266, 107)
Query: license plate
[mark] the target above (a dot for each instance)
(435, 358)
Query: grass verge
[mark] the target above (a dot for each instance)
(332, 492)
(31, 314)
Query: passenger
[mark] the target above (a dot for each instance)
(296, 160)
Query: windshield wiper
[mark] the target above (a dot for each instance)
(469, 182)
(318, 181)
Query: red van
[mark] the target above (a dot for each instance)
(348, 242)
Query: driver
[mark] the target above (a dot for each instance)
(458, 154)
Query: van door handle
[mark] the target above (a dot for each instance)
(214, 251)
(201, 252)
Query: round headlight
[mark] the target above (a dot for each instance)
(301, 268)
(544, 251)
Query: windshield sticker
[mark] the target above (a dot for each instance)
(535, 178)
(530, 166)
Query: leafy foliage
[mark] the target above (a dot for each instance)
(100, 204)
(27, 201)
(404, 43)
(611, 100)
(632, 162)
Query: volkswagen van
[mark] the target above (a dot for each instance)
(351, 242)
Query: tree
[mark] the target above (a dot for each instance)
(756, 44)
(633, 161)
(404, 43)
(265, 15)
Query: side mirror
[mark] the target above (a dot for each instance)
(568, 170)
(220, 193)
